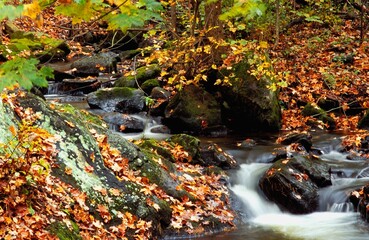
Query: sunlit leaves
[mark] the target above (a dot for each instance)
(24, 72)
(9, 11)
(134, 15)
(32, 10)
(247, 9)
(77, 11)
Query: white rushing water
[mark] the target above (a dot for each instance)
(337, 221)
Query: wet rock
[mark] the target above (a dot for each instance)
(293, 183)
(79, 85)
(215, 131)
(139, 76)
(192, 110)
(213, 155)
(105, 62)
(360, 199)
(161, 99)
(302, 138)
(247, 143)
(159, 93)
(124, 100)
(124, 122)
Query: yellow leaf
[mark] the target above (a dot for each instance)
(32, 10)
(263, 44)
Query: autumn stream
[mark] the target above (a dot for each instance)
(263, 220)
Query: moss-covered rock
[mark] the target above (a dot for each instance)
(248, 104)
(320, 114)
(74, 154)
(138, 77)
(119, 99)
(192, 110)
(111, 180)
(149, 85)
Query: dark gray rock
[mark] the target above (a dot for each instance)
(293, 183)
(124, 122)
(213, 155)
(124, 100)
(93, 65)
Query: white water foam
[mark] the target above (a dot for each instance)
(319, 225)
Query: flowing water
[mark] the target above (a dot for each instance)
(263, 220)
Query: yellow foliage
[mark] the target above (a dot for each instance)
(32, 10)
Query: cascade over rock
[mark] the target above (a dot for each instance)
(293, 183)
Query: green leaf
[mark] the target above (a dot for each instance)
(24, 72)
(9, 11)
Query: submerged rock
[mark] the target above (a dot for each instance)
(293, 183)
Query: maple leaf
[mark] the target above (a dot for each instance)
(89, 168)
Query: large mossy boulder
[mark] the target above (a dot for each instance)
(105, 62)
(118, 99)
(192, 110)
(293, 184)
(80, 163)
(248, 103)
(138, 77)
(144, 189)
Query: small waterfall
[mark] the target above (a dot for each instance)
(149, 131)
(53, 88)
(335, 219)
(246, 188)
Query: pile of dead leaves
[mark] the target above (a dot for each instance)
(326, 63)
